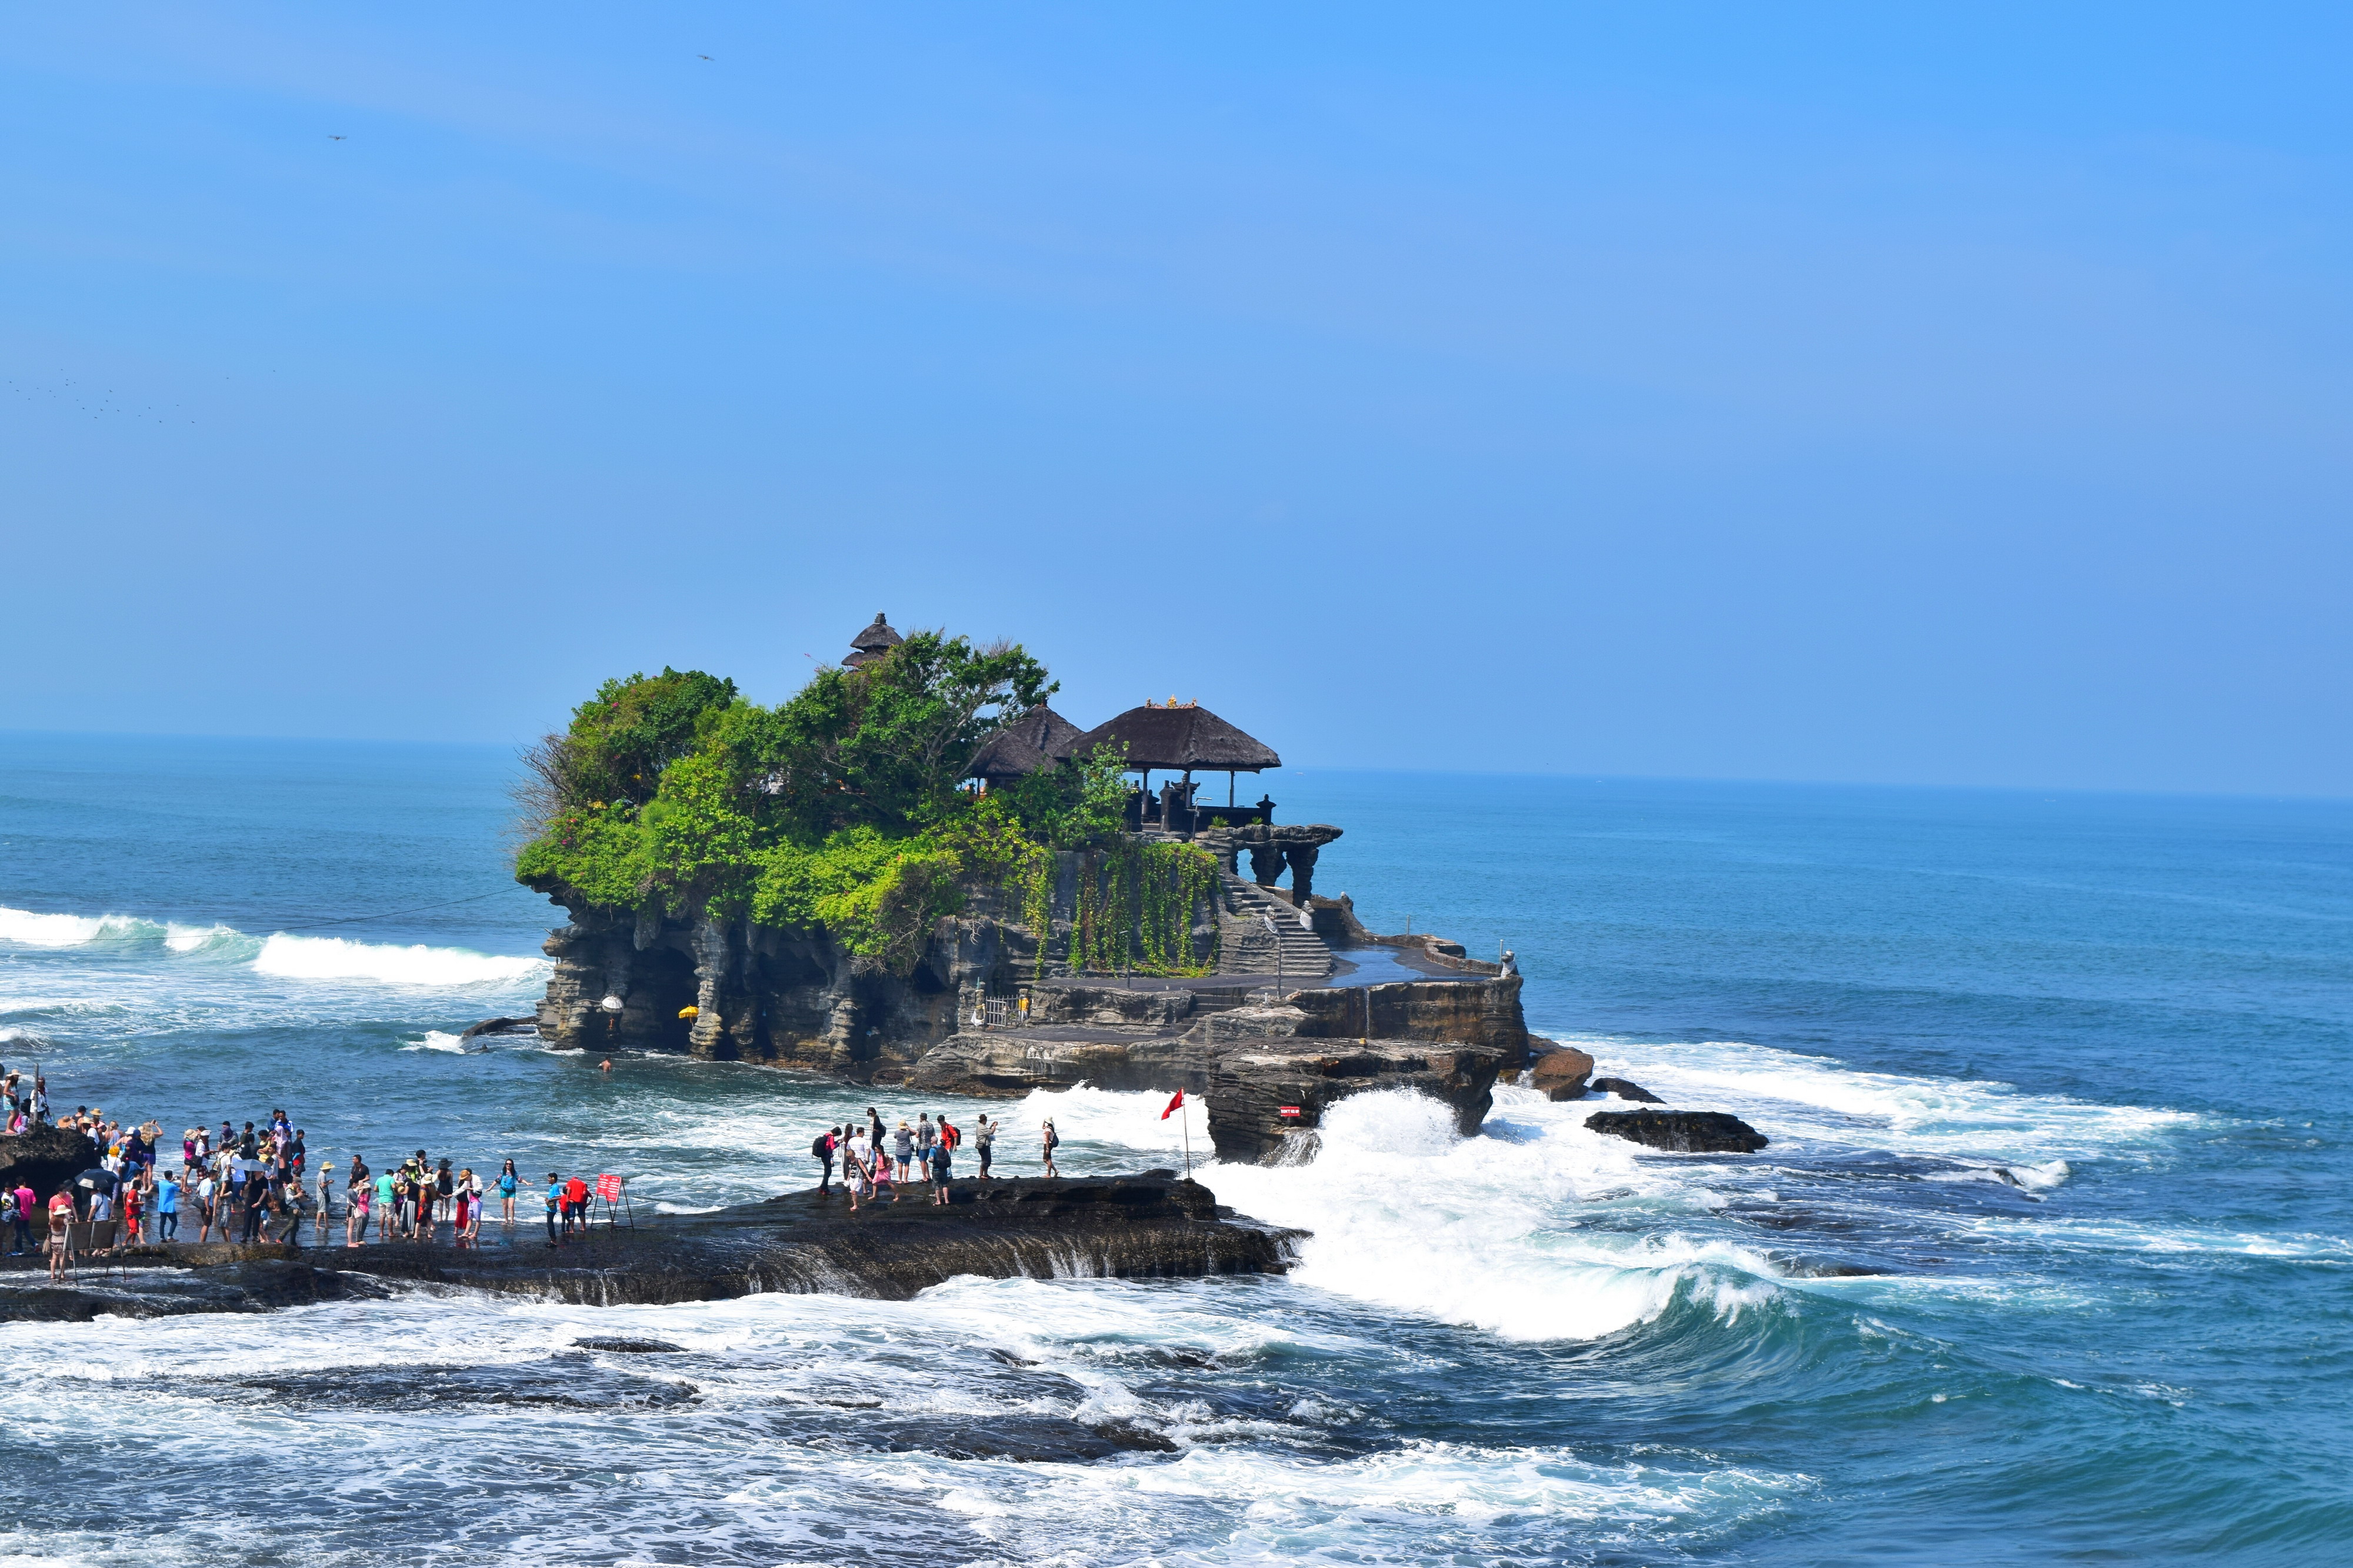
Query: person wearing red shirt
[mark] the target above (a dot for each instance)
(575, 1206)
(61, 1218)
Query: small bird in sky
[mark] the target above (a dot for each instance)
(333, 137)
(703, 57)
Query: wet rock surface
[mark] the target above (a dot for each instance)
(1560, 1072)
(1681, 1132)
(1251, 1087)
(1151, 1226)
(1625, 1089)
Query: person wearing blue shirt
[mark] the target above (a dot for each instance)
(554, 1204)
(167, 1209)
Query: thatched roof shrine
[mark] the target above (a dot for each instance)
(1188, 738)
(1029, 744)
(872, 643)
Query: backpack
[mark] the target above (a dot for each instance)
(823, 1147)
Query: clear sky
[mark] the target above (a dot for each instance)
(1947, 394)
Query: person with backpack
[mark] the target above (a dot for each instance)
(575, 1203)
(984, 1143)
(1052, 1140)
(822, 1153)
(943, 1161)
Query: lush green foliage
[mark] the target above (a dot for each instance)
(1135, 908)
(839, 808)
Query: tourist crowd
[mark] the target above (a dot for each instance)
(249, 1184)
(874, 1162)
(253, 1183)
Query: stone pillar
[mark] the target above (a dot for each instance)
(1302, 871)
(711, 952)
(1266, 864)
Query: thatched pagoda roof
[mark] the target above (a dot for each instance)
(872, 643)
(1189, 738)
(1029, 744)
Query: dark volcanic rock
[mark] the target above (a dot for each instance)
(1624, 1089)
(1250, 1085)
(1684, 1132)
(1129, 1228)
(1560, 1072)
(44, 1159)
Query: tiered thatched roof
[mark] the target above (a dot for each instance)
(872, 643)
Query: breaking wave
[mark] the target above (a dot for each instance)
(338, 958)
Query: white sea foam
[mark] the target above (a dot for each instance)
(338, 958)
(436, 1040)
(1479, 1231)
(710, 1480)
(1787, 1095)
(209, 940)
(26, 929)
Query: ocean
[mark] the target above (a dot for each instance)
(2051, 1258)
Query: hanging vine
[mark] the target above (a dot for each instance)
(1135, 908)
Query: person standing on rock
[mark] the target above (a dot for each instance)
(387, 1201)
(925, 1136)
(1050, 1140)
(554, 1204)
(943, 1162)
(903, 1151)
(822, 1153)
(445, 1193)
(167, 1209)
(508, 1182)
(61, 1215)
(358, 1198)
(854, 1167)
(984, 1143)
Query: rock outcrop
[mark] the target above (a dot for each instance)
(44, 1158)
(1624, 1089)
(1157, 1226)
(1266, 1095)
(1682, 1132)
(1248, 1062)
(1559, 1072)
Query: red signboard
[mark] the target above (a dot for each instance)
(1287, 1110)
(609, 1188)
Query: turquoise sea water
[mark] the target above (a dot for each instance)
(2051, 1258)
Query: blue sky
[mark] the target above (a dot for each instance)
(1950, 395)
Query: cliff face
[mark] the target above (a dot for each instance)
(792, 998)
(1266, 1071)
(798, 997)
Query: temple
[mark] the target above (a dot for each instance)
(1149, 962)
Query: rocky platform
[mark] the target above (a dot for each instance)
(1266, 1072)
(1157, 1226)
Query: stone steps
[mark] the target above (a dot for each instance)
(1244, 946)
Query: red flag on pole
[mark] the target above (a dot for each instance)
(1176, 1101)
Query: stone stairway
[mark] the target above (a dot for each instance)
(1244, 946)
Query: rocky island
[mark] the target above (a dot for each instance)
(915, 871)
